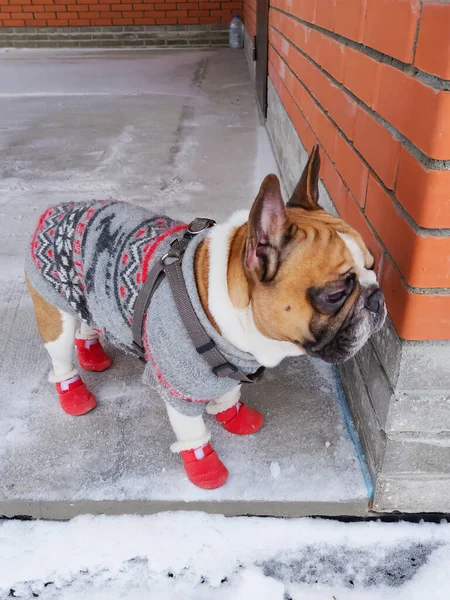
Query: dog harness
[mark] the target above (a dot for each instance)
(93, 260)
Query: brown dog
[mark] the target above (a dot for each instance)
(281, 281)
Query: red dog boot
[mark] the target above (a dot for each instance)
(91, 355)
(74, 397)
(204, 468)
(240, 419)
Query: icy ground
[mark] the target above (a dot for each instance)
(194, 556)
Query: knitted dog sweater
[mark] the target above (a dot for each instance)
(91, 260)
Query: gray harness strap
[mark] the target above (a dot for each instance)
(170, 266)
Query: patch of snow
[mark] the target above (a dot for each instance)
(195, 556)
(275, 469)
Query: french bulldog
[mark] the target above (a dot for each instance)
(281, 280)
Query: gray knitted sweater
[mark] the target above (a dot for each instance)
(91, 259)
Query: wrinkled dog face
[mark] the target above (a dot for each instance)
(310, 273)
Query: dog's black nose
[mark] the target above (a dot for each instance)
(374, 301)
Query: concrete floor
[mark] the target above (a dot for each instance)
(177, 132)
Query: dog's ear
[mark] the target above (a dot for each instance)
(306, 193)
(269, 230)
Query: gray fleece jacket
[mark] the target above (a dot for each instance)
(91, 259)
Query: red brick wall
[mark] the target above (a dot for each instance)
(60, 13)
(384, 129)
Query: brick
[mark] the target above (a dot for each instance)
(89, 15)
(352, 169)
(167, 6)
(416, 110)
(110, 14)
(123, 22)
(178, 13)
(131, 14)
(350, 212)
(328, 53)
(167, 21)
(221, 13)
(378, 146)
(188, 20)
(390, 27)
(321, 125)
(361, 75)
(100, 22)
(298, 120)
(419, 258)
(57, 22)
(143, 6)
(433, 44)
(189, 6)
(325, 14)
(13, 23)
(145, 21)
(198, 13)
(36, 23)
(415, 316)
(79, 22)
(349, 19)
(295, 31)
(422, 192)
(209, 5)
(208, 20)
(333, 182)
(121, 7)
(341, 108)
(15, 2)
(22, 15)
(154, 14)
(303, 9)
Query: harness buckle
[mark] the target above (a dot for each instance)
(219, 370)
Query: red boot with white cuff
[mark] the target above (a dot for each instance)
(240, 419)
(204, 468)
(74, 397)
(91, 355)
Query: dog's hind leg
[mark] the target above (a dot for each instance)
(57, 331)
(91, 355)
(202, 464)
(235, 416)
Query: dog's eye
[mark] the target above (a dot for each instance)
(329, 301)
(336, 297)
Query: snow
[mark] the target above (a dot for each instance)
(194, 556)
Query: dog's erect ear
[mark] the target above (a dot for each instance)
(306, 193)
(269, 230)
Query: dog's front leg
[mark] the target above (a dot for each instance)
(235, 416)
(203, 467)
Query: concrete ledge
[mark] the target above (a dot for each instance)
(114, 37)
(67, 510)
